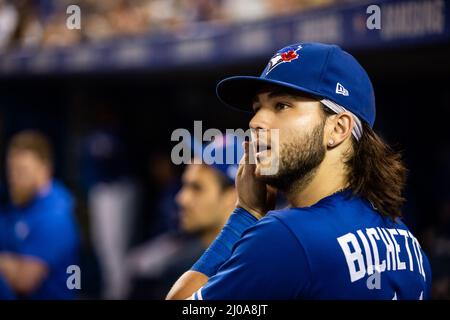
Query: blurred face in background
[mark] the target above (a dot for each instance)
(204, 204)
(26, 174)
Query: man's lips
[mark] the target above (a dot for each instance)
(262, 151)
(259, 147)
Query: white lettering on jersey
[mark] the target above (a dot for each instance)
(365, 260)
(367, 250)
(373, 235)
(420, 297)
(390, 250)
(400, 265)
(404, 233)
(418, 254)
(354, 258)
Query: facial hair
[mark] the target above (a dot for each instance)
(298, 161)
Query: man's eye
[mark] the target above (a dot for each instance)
(281, 106)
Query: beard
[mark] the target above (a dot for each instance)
(298, 161)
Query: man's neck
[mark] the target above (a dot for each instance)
(328, 178)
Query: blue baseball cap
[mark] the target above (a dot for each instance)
(321, 70)
(222, 154)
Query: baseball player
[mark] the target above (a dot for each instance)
(341, 237)
(39, 236)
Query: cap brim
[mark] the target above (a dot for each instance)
(238, 92)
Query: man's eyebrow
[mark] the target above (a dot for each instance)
(276, 94)
(255, 103)
(255, 99)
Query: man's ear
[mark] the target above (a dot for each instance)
(340, 128)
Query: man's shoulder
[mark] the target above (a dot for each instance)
(302, 223)
(58, 201)
(60, 191)
(52, 212)
(327, 219)
(341, 206)
(317, 214)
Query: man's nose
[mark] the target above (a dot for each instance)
(180, 198)
(261, 120)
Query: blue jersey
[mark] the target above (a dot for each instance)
(6, 293)
(44, 229)
(339, 248)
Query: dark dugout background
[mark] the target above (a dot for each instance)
(143, 101)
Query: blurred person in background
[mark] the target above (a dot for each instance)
(8, 23)
(164, 186)
(38, 232)
(6, 292)
(42, 24)
(205, 201)
(112, 198)
(29, 29)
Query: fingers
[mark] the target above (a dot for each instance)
(243, 160)
(246, 146)
(246, 165)
(249, 153)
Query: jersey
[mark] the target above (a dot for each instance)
(6, 293)
(44, 229)
(339, 248)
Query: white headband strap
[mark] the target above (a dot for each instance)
(357, 129)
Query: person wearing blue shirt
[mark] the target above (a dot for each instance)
(38, 232)
(342, 236)
(6, 292)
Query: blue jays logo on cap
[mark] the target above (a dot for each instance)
(287, 54)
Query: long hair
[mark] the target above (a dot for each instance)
(377, 173)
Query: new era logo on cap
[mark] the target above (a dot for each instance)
(341, 90)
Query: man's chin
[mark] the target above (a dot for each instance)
(261, 174)
(279, 180)
(20, 200)
(265, 171)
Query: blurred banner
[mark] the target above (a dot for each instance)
(401, 23)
